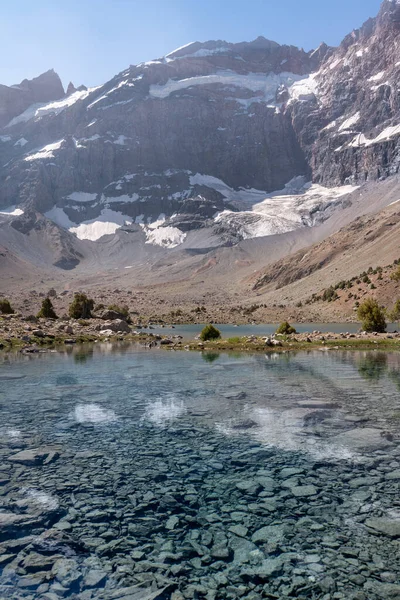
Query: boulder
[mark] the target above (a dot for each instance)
(34, 457)
(113, 315)
(117, 326)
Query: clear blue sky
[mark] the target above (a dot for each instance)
(89, 41)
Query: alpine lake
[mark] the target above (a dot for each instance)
(136, 474)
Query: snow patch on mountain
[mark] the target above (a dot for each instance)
(179, 49)
(348, 123)
(45, 152)
(106, 223)
(304, 89)
(300, 204)
(385, 135)
(166, 237)
(21, 142)
(239, 198)
(377, 77)
(12, 211)
(37, 111)
(82, 197)
(255, 82)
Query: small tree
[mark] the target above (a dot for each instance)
(5, 307)
(371, 316)
(47, 311)
(394, 314)
(210, 333)
(81, 307)
(285, 329)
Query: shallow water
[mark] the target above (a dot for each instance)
(199, 475)
(189, 332)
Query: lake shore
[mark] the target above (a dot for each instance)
(18, 333)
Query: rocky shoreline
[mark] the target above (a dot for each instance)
(31, 335)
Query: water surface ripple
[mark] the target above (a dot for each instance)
(137, 475)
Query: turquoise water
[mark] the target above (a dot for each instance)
(227, 331)
(138, 474)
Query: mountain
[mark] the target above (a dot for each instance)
(217, 150)
(17, 98)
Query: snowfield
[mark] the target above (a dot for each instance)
(12, 211)
(385, 135)
(45, 152)
(299, 204)
(106, 223)
(255, 82)
(37, 111)
(166, 237)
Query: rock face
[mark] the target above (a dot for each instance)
(349, 125)
(199, 138)
(17, 98)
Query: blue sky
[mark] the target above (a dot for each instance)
(89, 41)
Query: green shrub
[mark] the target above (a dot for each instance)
(371, 316)
(210, 333)
(47, 311)
(5, 307)
(395, 276)
(330, 295)
(123, 310)
(285, 329)
(81, 307)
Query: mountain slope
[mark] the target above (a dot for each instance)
(214, 160)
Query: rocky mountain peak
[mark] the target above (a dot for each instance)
(15, 99)
(71, 88)
(390, 13)
(212, 136)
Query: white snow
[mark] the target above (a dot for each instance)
(121, 84)
(124, 198)
(384, 136)
(58, 216)
(106, 223)
(240, 198)
(331, 125)
(202, 53)
(180, 48)
(5, 138)
(255, 82)
(45, 152)
(298, 204)
(82, 197)
(12, 211)
(21, 142)
(304, 89)
(37, 111)
(377, 77)
(348, 123)
(166, 237)
(121, 140)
